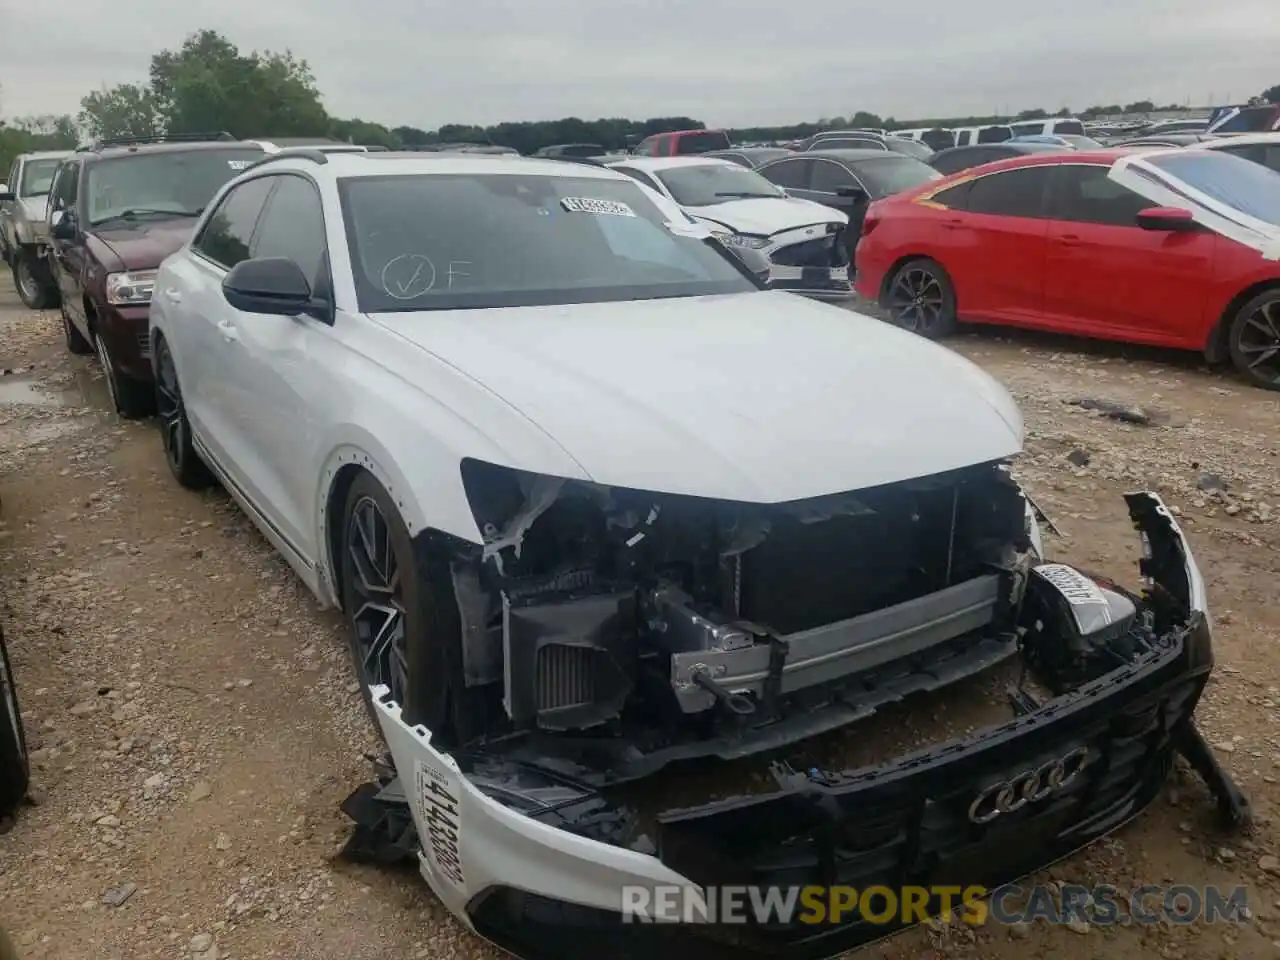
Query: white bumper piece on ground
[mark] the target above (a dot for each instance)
(471, 842)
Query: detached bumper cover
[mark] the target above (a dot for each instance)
(519, 871)
(810, 260)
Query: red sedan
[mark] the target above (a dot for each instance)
(1176, 247)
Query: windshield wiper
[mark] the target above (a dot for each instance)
(744, 194)
(133, 213)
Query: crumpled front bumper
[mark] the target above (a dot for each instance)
(541, 891)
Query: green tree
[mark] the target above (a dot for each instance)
(127, 110)
(208, 85)
(1140, 106)
(1272, 95)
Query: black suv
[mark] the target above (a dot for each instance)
(116, 210)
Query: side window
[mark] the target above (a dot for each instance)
(293, 227)
(63, 195)
(226, 237)
(1250, 151)
(1013, 193)
(828, 177)
(957, 197)
(788, 173)
(963, 137)
(14, 176)
(1086, 195)
(648, 147)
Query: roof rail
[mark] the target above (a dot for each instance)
(295, 153)
(104, 142)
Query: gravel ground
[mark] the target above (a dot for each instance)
(195, 725)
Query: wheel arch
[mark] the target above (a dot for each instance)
(901, 262)
(424, 483)
(1216, 349)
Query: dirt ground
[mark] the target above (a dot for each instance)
(195, 725)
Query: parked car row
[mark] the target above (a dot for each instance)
(1171, 247)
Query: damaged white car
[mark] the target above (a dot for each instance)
(797, 244)
(598, 506)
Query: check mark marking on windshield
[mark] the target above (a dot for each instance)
(408, 285)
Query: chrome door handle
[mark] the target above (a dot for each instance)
(174, 295)
(229, 333)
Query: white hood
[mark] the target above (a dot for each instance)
(761, 397)
(1200, 190)
(765, 216)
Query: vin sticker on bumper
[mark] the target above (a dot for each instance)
(438, 800)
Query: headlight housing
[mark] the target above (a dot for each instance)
(744, 240)
(131, 288)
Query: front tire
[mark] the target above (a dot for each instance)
(15, 771)
(30, 276)
(400, 631)
(133, 399)
(921, 298)
(1254, 340)
(175, 429)
(76, 343)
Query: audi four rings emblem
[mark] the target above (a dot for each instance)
(1029, 786)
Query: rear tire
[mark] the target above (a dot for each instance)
(133, 399)
(175, 429)
(921, 298)
(15, 772)
(1254, 340)
(31, 278)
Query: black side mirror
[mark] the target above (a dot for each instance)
(64, 228)
(851, 193)
(273, 285)
(7, 195)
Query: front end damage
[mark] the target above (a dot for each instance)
(531, 841)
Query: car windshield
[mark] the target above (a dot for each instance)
(705, 184)
(37, 177)
(163, 183)
(467, 241)
(893, 174)
(1249, 187)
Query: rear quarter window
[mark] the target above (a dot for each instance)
(703, 142)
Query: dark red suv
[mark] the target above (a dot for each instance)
(116, 210)
(679, 143)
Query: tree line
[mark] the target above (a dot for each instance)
(210, 85)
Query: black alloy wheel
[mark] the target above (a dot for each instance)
(15, 771)
(1255, 340)
(377, 607)
(920, 298)
(406, 632)
(175, 430)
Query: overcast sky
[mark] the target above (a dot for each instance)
(726, 62)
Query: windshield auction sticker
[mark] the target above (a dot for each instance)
(611, 208)
(439, 805)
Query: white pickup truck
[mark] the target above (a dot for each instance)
(23, 231)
